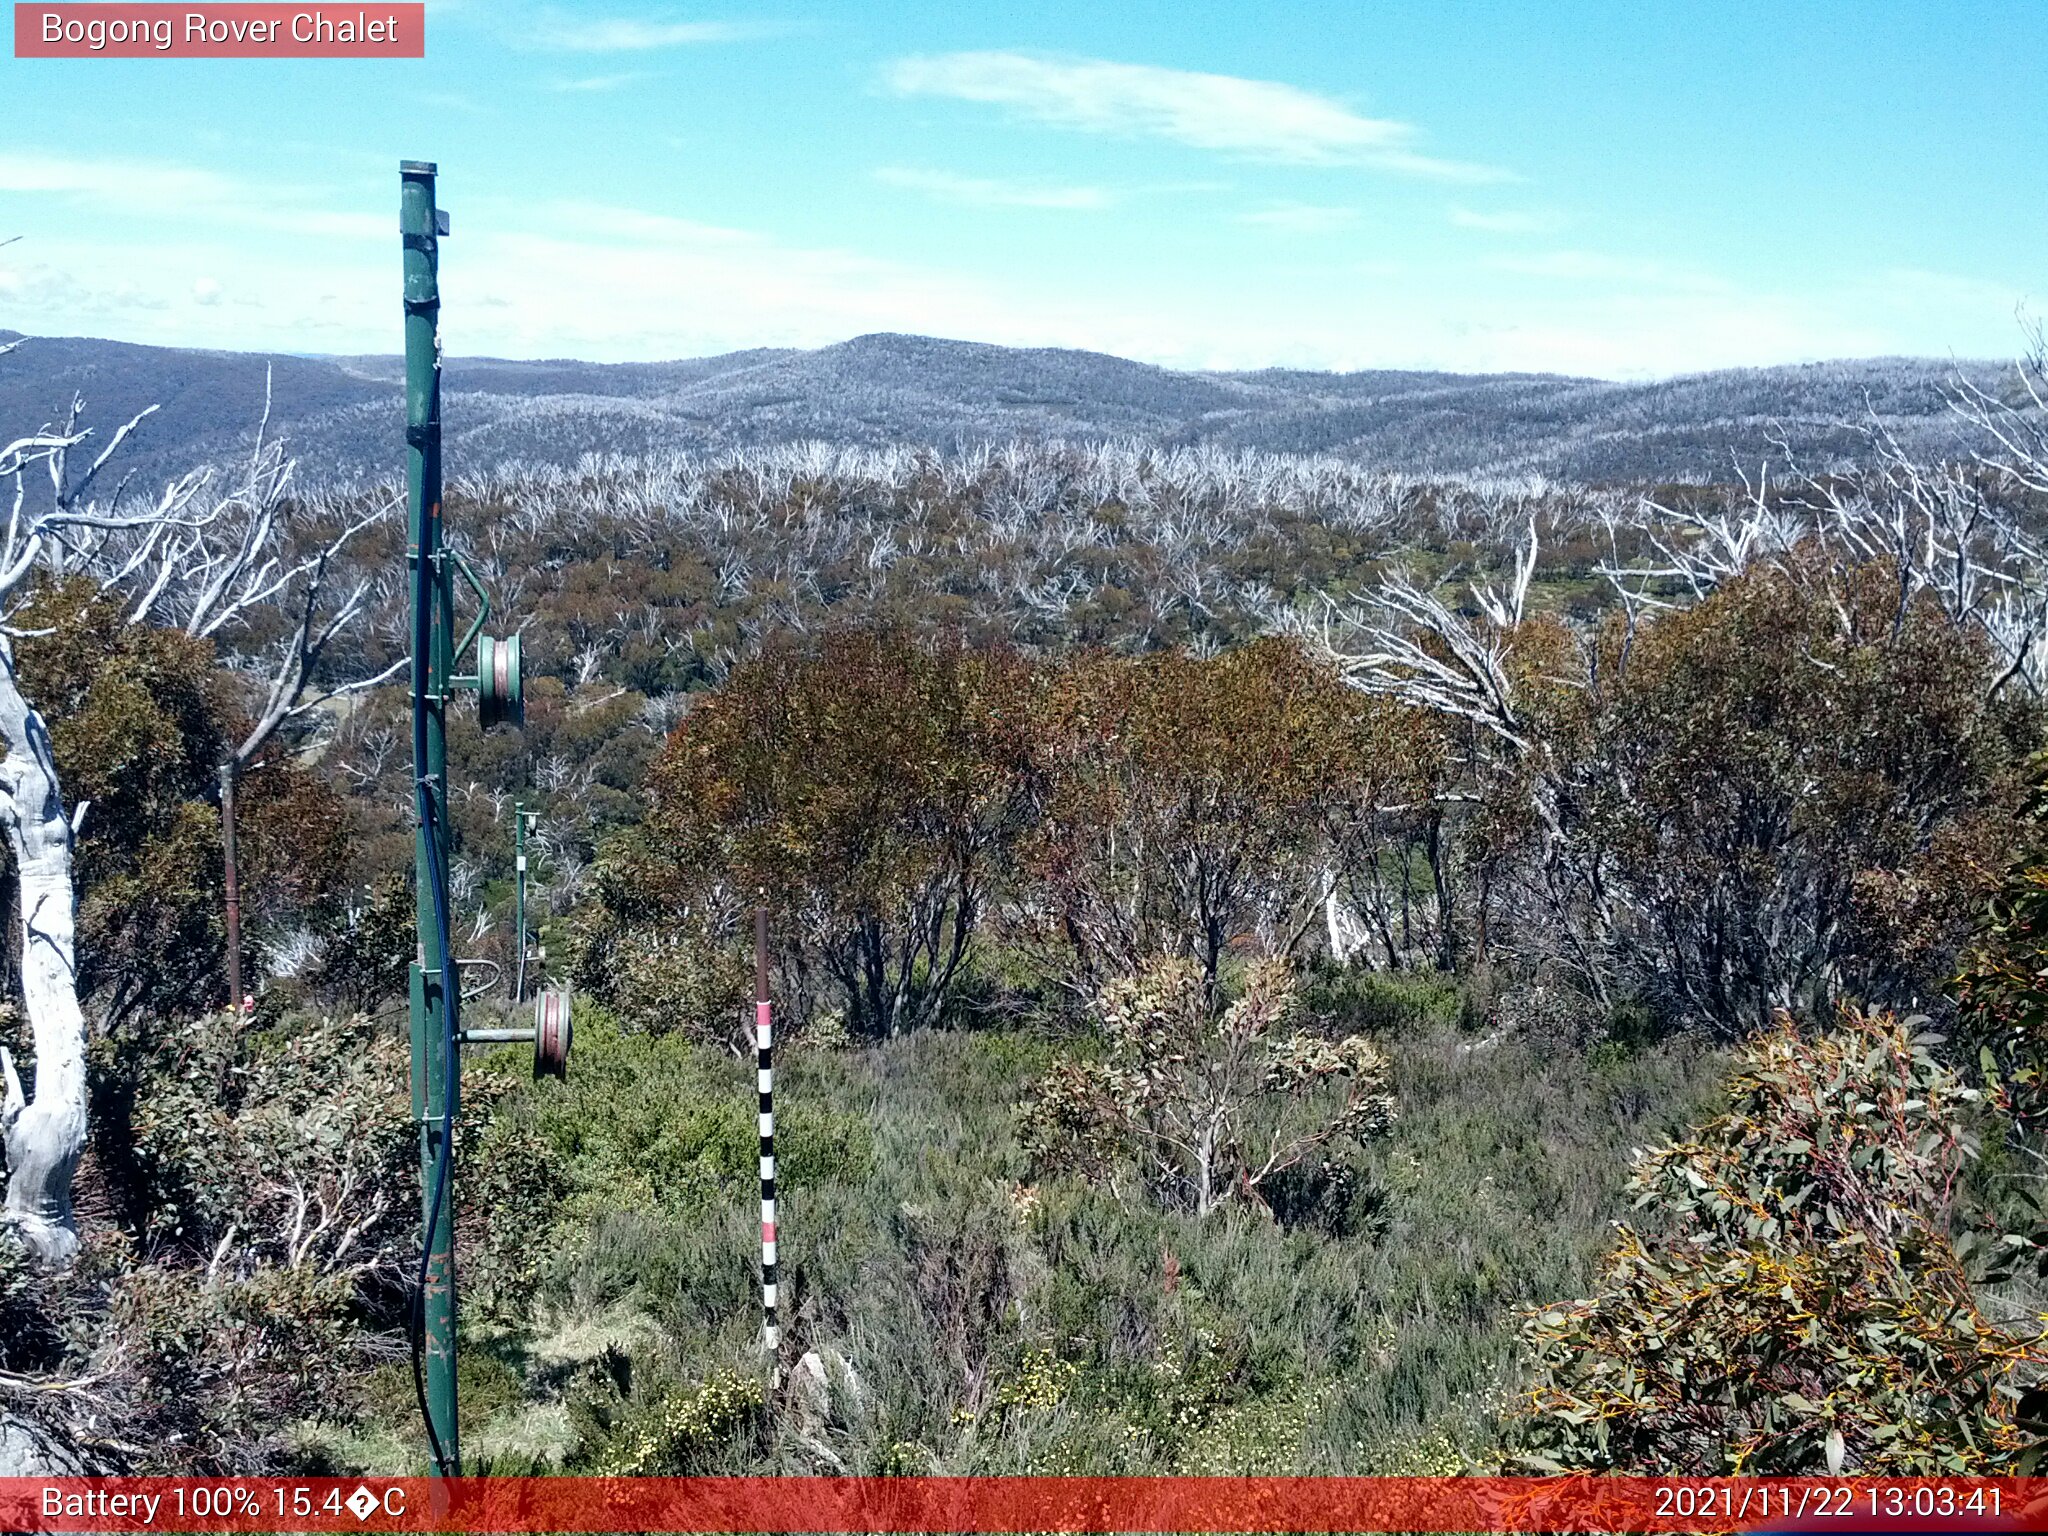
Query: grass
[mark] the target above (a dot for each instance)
(999, 1318)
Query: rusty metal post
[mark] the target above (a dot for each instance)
(233, 885)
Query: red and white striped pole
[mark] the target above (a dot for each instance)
(764, 1056)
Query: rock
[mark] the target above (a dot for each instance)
(28, 1450)
(820, 1384)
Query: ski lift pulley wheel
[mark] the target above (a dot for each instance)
(551, 1031)
(501, 699)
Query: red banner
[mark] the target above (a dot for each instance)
(223, 31)
(1016, 1504)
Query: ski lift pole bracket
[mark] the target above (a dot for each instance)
(483, 600)
(500, 689)
(550, 1035)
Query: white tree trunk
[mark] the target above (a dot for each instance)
(46, 1134)
(1348, 934)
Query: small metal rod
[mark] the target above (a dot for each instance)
(519, 899)
(231, 885)
(479, 962)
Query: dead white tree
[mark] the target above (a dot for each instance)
(1695, 549)
(45, 1137)
(265, 555)
(1406, 642)
(207, 555)
(1403, 642)
(1942, 529)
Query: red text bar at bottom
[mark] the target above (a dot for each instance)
(1018, 1504)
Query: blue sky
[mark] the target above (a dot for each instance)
(1624, 190)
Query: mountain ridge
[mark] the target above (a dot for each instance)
(341, 413)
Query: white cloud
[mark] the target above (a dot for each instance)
(1504, 221)
(1301, 218)
(609, 222)
(328, 223)
(1255, 119)
(1917, 284)
(986, 192)
(572, 33)
(592, 83)
(121, 183)
(452, 101)
(134, 250)
(1654, 336)
(159, 190)
(1569, 266)
(690, 291)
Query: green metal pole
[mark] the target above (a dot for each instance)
(519, 897)
(434, 990)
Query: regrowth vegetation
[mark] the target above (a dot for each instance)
(1233, 916)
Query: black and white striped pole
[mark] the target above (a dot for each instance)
(764, 1058)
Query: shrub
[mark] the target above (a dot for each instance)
(513, 1184)
(1800, 1305)
(1380, 1001)
(1184, 800)
(368, 945)
(673, 1430)
(141, 718)
(1211, 1098)
(656, 973)
(667, 1127)
(260, 1176)
(2003, 983)
(1788, 795)
(285, 1146)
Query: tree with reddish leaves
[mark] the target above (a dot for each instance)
(870, 788)
(1185, 801)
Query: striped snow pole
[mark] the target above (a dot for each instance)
(764, 1056)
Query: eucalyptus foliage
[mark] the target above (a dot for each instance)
(1210, 1098)
(1802, 1293)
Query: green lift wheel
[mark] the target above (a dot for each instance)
(551, 1032)
(500, 695)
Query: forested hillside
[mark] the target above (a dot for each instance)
(1247, 925)
(889, 391)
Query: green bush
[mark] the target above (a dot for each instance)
(513, 1187)
(367, 946)
(2003, 983)
(657, 969)
(666, 1428)
(1378, 1002)
(662, 1125)
(294, 1140)
(1798, 1301)
(1209, 1098)
(1004, 1323)
(248, 1241)
(1788, 793)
